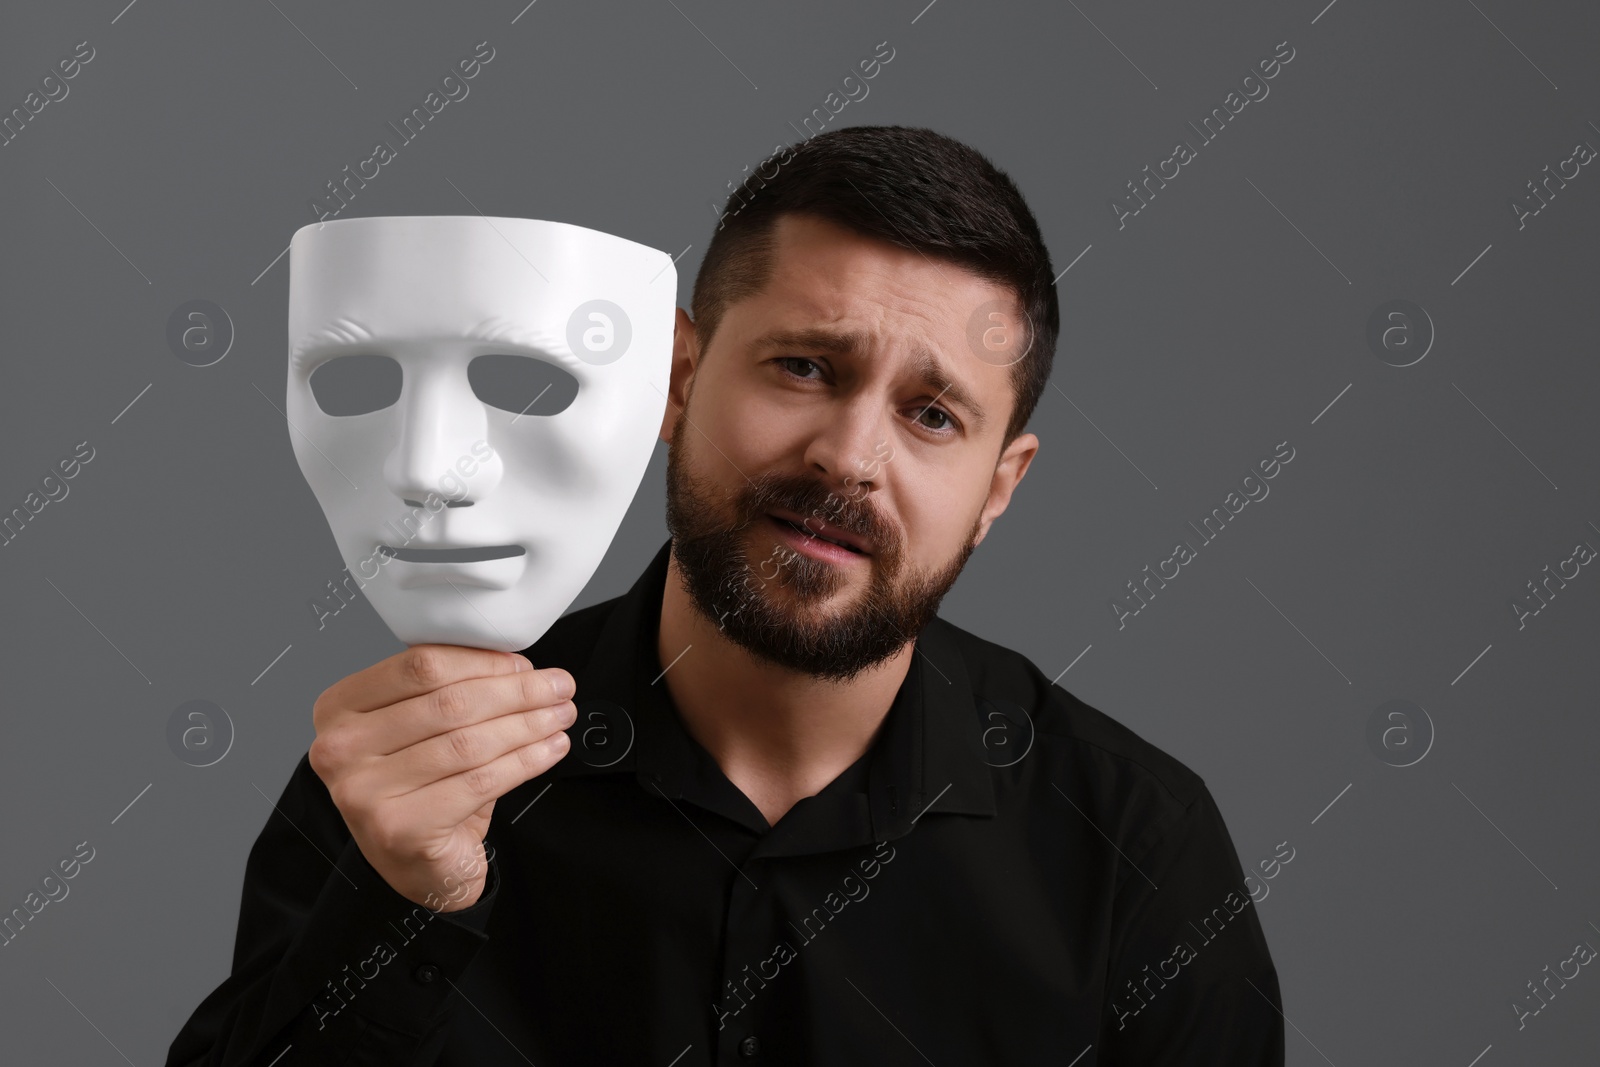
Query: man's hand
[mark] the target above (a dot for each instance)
(416, 749)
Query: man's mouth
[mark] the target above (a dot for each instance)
(476, 554)
(844, 539)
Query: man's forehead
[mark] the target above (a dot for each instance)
(822, 272)
(811, 254)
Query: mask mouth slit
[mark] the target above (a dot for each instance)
(447, 503)
(452, 555)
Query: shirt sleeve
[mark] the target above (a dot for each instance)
(1190, 980)
(328, 958)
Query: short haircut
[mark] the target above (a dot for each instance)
(906, 185)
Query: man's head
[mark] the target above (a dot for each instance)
(874, 321)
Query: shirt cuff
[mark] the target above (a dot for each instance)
(368, 950)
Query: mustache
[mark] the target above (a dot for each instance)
(807, 497)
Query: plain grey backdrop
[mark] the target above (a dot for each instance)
(1230, 314)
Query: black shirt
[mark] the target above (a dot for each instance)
(1006, 876)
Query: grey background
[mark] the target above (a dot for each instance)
(1226, 317)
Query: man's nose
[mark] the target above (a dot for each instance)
(442, 446)
(847, 444)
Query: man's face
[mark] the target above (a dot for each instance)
(847, 399)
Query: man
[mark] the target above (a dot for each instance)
(767, 807)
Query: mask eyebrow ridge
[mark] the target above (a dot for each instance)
(537, 343)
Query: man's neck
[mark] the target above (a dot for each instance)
(777, 734)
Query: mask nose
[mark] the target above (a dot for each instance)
(443, 443)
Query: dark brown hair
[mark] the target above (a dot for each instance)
(906, 185)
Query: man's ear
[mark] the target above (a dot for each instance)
(685, 357)
(1008, 472)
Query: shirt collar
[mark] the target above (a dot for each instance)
(929, 758)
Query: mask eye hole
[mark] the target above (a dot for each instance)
(356, 385)
(521, 385)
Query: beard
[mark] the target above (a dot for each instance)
(770, 605)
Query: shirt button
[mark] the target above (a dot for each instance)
(426, 973)
(749, 1047)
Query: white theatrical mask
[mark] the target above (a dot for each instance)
(433, 362)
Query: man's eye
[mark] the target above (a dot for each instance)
(790, 362)
(941, 413)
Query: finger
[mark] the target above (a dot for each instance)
(450, 801)
(419, 669)
(456, 751)
(461, 704)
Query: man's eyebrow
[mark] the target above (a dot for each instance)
(925, 364)
(813, 338)
(933, 376)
